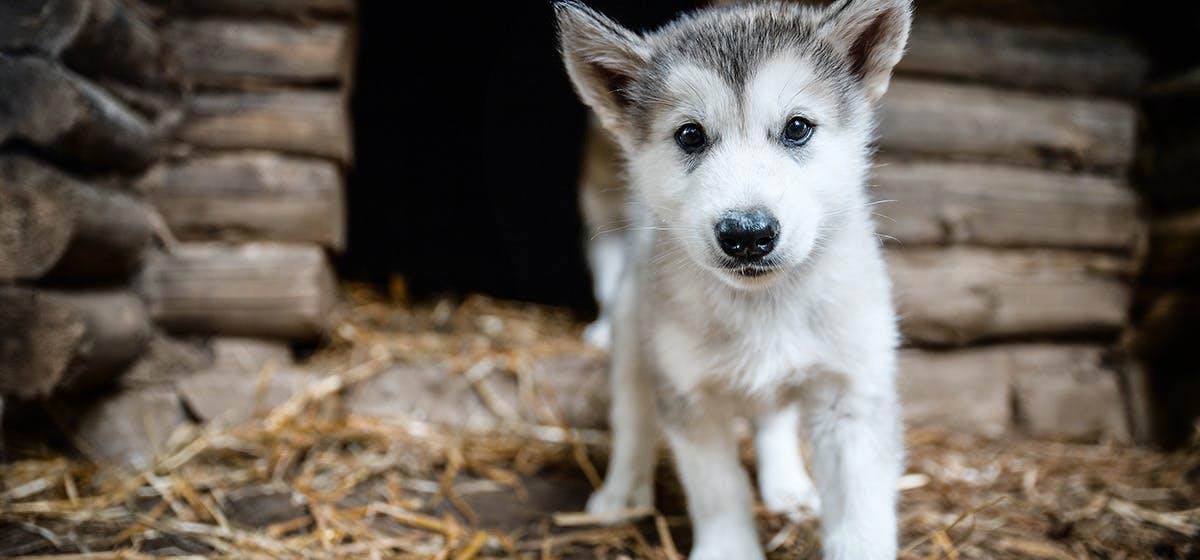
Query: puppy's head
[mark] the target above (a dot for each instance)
(746, 129)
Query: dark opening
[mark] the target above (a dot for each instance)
(467, 145)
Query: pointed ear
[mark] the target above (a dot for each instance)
(873, 34)
(602, 58)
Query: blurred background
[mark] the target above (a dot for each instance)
(208, 205)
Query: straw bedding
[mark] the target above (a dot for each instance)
(309, 480)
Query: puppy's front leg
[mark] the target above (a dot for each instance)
(720, 502)
(856, 436)
(629, 481)
(783, 481)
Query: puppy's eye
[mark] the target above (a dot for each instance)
(797, 131)
(691, 138)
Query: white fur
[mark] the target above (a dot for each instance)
(697, 345)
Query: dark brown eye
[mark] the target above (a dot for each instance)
(691, 138)
(797, 131)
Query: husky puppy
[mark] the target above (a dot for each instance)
(754, 284)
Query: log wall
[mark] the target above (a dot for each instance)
(1012, 231)
(167, 169)
(74, 230)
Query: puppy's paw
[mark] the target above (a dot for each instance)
(609, 499)
(794, 497)
(599, 334)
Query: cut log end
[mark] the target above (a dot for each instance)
(52, 341)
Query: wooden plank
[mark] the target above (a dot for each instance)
(1003, 206)
(300, 122)
(960, 295)
(256, 289)
(53, 341)
(251, 196)
(981, 123)
(223, 52)
(53, 225)
(53, 108)
(1027, 57)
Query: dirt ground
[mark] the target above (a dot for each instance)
(309, 480)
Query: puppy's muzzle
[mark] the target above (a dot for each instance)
(747, 235)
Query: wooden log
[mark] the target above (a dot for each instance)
(300, 122)
(52, 341)
(53, 225)
(958, 295)
(1038, 58)
(41, 26)
(251, 196)
(980, 123)
(100, 38)
(51, 107)
(1003, 206)
(117, 42)
(291, 9)
(221, 52)
(256, 289)
(1062, 391)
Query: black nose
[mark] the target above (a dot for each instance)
(748, 234)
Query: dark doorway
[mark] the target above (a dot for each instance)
(467, 144)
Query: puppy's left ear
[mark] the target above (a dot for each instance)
(873, 34)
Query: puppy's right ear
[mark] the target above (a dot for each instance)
(602, 58)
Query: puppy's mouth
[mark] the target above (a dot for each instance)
(757, 268)
(754, 270)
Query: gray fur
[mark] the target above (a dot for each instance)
(698, 341)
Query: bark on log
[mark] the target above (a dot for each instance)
(301, 122)
(100, 38)
(229, 52)
(251, 196)
(958, 295)
(1003, 206)
(41, 26)
(116, 42)
(54, 341)
(256, 289)
(292, 9)
(1040, 58)
(980, 123)
(53, 108)
(52, 225)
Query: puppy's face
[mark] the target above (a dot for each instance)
(745, 129)
(748, 177)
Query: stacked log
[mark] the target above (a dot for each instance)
(167, 167)
(1011, 227)
(74, 233)
(253, 189)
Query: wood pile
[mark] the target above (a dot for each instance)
(1012, 231)
(253, 186)
(85, 89)
(166, 165)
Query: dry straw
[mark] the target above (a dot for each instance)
(307, 480)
